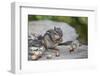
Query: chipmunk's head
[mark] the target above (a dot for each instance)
(58, 32)
(55, 34)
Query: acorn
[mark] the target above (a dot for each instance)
(49, 56)
(34, 57)
(71, 49)
(38, 53)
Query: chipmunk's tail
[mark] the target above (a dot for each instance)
(66, 43)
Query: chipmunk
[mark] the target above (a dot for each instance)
(52, 38)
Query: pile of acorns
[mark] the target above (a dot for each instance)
(35, 53)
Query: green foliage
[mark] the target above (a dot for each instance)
(79, 23)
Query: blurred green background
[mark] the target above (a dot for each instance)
(79, 23)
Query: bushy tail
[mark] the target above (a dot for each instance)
(66, 43)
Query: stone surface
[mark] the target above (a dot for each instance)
(69, 34)
(79, 53)
(40, 27)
